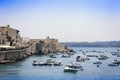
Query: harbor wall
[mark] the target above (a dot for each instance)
(12, 55)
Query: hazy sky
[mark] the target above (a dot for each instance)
(66, 20)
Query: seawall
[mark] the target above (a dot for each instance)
(12, 55)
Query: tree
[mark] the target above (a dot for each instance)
(41, 41)
(9, 39)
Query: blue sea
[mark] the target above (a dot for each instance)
(24, 70)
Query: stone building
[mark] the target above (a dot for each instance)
(9, 36)
(49, 45)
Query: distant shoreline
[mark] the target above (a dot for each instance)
(93, 44)
(93, 47)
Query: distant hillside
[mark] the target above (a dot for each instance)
(93, 44)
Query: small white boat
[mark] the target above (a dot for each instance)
(70, 53)
(58, 63)
(41, 63)
(74, 65)
(113, 64)
(66, 55)
(92, 55)
(97, 62)
(35, 63)
(69, 69)
(102, 57)
(52, 56)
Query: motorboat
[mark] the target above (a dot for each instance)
(52, 56)
(92, 55)
(35, 63)
(87, 58)
(41, 63)
(58, 63)
(97, 62)
(70, 53)
(102, 57)
(113, 64)
(66, 55)
(79, 59)
(47, 62)
(69, 69)
(74, 65)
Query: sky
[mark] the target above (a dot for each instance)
(66, 20)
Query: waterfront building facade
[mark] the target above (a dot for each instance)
(9, 36)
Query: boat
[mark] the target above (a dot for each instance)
(58, 63)
(92, 55)
(113, 64)
(70, 53)
(116, 62)
(65, 56)
(81, 59)
(102, 57)
(118, 55)
(97, 62)
(35, 63)
(87, 58)
(78, 57)
(41, 63)
(114, 53)
(52, 56)
(69, 69)
(74, 65)
(47, 62)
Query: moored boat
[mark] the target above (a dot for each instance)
(52, 56)
(113, 64)
(58, 63)
(74, 65)
(69, 69)
(35, 63)
(97, 62)
(66, 55)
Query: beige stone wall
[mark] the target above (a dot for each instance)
(12, 55)
(11, 32)
(50, 45)
(3, 31)
(2, 56)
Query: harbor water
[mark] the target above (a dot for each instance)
(24, 70)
